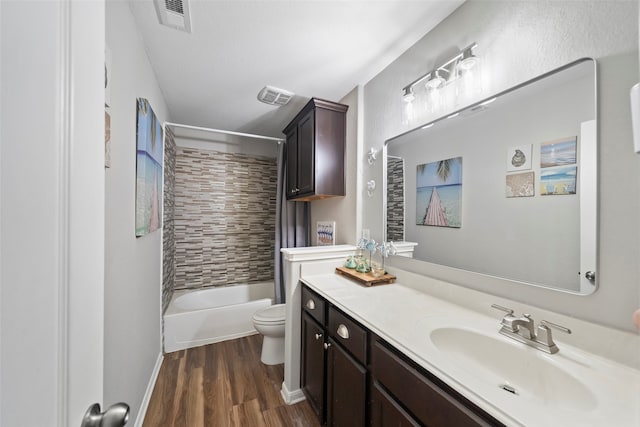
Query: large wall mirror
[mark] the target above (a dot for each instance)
(506, 187)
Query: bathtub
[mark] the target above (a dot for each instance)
(205, 316)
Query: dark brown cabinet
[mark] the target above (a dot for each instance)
(346, 388)
(316, 151)
(354, 378)
(333, 372)
(313, 363)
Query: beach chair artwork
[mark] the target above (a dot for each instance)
(558, 167)
(439, 193)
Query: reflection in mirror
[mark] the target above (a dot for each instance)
(507, 187)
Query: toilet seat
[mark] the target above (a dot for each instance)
(271, 314)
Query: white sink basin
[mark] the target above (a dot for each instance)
(529, 373)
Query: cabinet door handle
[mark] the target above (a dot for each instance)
(343, 332)
(327, 345)
(311, 305)
(318, 336)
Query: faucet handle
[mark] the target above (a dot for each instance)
(555, 326)
(545, 338)
(505, 309)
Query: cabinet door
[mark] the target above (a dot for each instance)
(312, 375)
(386, 412)
(292, 162)
(346, 389)
(306, 154)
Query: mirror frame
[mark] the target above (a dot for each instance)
(589, 253)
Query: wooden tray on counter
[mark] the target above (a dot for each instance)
(366, 279)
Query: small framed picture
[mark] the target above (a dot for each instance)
(326, 233)
(519, 158)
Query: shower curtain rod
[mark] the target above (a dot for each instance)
(227, 132)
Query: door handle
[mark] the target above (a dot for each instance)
(115, 416)
(318, 336)
(311, 305)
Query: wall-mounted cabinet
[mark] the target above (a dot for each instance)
(316, 151)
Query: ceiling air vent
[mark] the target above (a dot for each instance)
(274, 96)
(174, 14)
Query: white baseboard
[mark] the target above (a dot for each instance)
(291, 397)
(147, 395)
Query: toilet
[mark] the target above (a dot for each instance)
(270, 323)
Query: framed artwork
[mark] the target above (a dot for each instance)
(560, 152)
(149, 152)
(439, 193)
(558, 181)
(519, 158)
(520, 185)
(326, 232)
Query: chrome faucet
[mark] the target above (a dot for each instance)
(523, 329)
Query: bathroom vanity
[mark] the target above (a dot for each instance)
(353, 377)
(397, 355)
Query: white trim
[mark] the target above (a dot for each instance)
(291, 397)
(64, 161)
(359, 163)
(314, 253)
(588, 181)
(142, 412)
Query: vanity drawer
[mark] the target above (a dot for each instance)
(431, 403)
(350, 334)
(313, 304)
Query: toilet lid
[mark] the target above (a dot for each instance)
(272, 314)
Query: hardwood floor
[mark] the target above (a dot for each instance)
(223, 384)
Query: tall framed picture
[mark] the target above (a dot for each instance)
(326, 233)
(439, 193)
(149, 161)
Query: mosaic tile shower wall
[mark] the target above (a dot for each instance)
(395, 199)
(168, 220)
(224, 218)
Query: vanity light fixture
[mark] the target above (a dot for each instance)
(435, 79)
(408, 95)
(460, 63)
(468, 60)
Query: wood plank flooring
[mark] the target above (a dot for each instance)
(223, 384)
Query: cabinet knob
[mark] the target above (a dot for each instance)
(343, 332)
(318, 336)
(311, 305)
(327, 345)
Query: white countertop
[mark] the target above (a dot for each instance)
(607, 392)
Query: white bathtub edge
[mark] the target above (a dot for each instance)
(142, 412)
(291, 397)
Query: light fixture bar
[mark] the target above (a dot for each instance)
(467, 51)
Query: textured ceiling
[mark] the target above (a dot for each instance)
(212, 76)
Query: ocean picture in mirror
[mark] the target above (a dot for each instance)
(439, 193)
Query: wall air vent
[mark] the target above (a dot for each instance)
(174, 14)
(274, 96)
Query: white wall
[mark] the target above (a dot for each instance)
(133, 271)
(341, 209)
(51, 211)
(517, 41)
